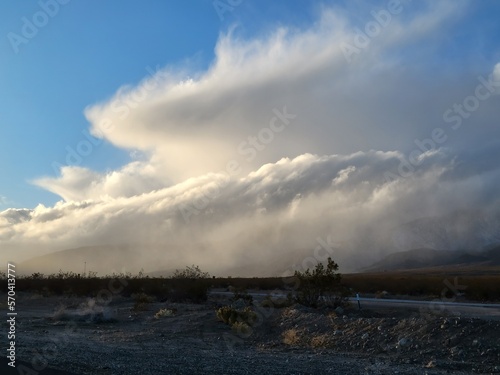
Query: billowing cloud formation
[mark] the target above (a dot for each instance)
(76, 183)
(272, 215)
(286, 94)
(234, 175)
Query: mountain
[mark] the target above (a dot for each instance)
(429, 258)
(460, 230)
(101, 259)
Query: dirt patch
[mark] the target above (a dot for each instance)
(84, 337)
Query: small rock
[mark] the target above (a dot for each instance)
(339, 310)
(364, 337)
(431, 364)
(403, 342)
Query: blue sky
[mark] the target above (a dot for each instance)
(166, 123)
(83, 55)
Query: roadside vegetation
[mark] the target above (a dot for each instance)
(321, 286)
(187, 285)
(192, 284)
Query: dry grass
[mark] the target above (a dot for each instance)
(163, 313)
(142, 301)
(320, 341)
(291, 336)
(242, 329)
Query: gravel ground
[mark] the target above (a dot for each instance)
(84, 338)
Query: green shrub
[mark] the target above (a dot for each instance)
(320, 286)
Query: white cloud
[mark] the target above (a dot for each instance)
(312, 174)
(195, 122)
(276, 210)
(77, 183)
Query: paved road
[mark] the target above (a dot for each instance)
(466, 309)
(472, 310)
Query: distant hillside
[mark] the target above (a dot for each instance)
(101, 259)
(428, 258)
(459, 230)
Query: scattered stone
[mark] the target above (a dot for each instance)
(431, 364)
(403, 342)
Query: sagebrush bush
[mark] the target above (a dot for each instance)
(141, 301)
(241, 329)
(291, 336)
(163, 313)
(230, 315)
(319, 341)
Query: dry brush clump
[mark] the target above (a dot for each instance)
(320, 341)
(162, 313)
(240, 321)
(141, 301)
(291, 336)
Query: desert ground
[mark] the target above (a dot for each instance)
(82, 336)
